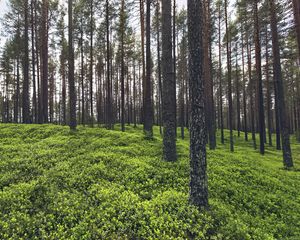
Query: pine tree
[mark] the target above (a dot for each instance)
(198, 182)
(168, 96)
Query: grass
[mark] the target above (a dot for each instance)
(100, 184)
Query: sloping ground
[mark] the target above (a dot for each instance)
(99, 184)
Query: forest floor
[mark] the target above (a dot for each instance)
(100, 184)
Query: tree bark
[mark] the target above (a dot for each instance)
(25, 98)
(220, 77)
(259, 93)
(72, 93)
(122, 68)
(283, 116)
(148, 110)
(169, 98)
(229, 78)
(91, 60)
(244, 91)
(44, 53)
(198, 165)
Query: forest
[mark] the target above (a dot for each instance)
(149, 119)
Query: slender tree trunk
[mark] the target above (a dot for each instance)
(159, 65)
(109, 101)
(208, 77)
(244, 91)
(251, 87)
(220, 78)
(134, 94)
(25, 99)
(122, 68)
(283, 116)
(72, 90)
(91, 60)
(35, 112)
(148, 114)
(229, 78)
(142, 22)
(44, 52)
(237, 86)
(269, 100)
(174, 61)
(16, 109)
(169, 98)
(82, 73)
(37, 54)
(260, 99)
(198, 165)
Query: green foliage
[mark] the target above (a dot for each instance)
(100, 184)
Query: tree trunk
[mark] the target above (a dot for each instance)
(148, 111)
(142, 22)
(159, 66)
(174, 61)
(109, 101)
(251, 87)
(220, 77)
(91, 60)
(169, 98)
(72, 90)
(198, 165)
(44, 52)
(244, 91)
(229, 78)
(25, 99)
(237, 86)
(122, 68)
(35, 108)
(283, 116)
(269, 100)
(259, 93)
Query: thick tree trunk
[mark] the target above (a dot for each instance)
(198, 165)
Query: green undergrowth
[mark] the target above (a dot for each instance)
(100, 184)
